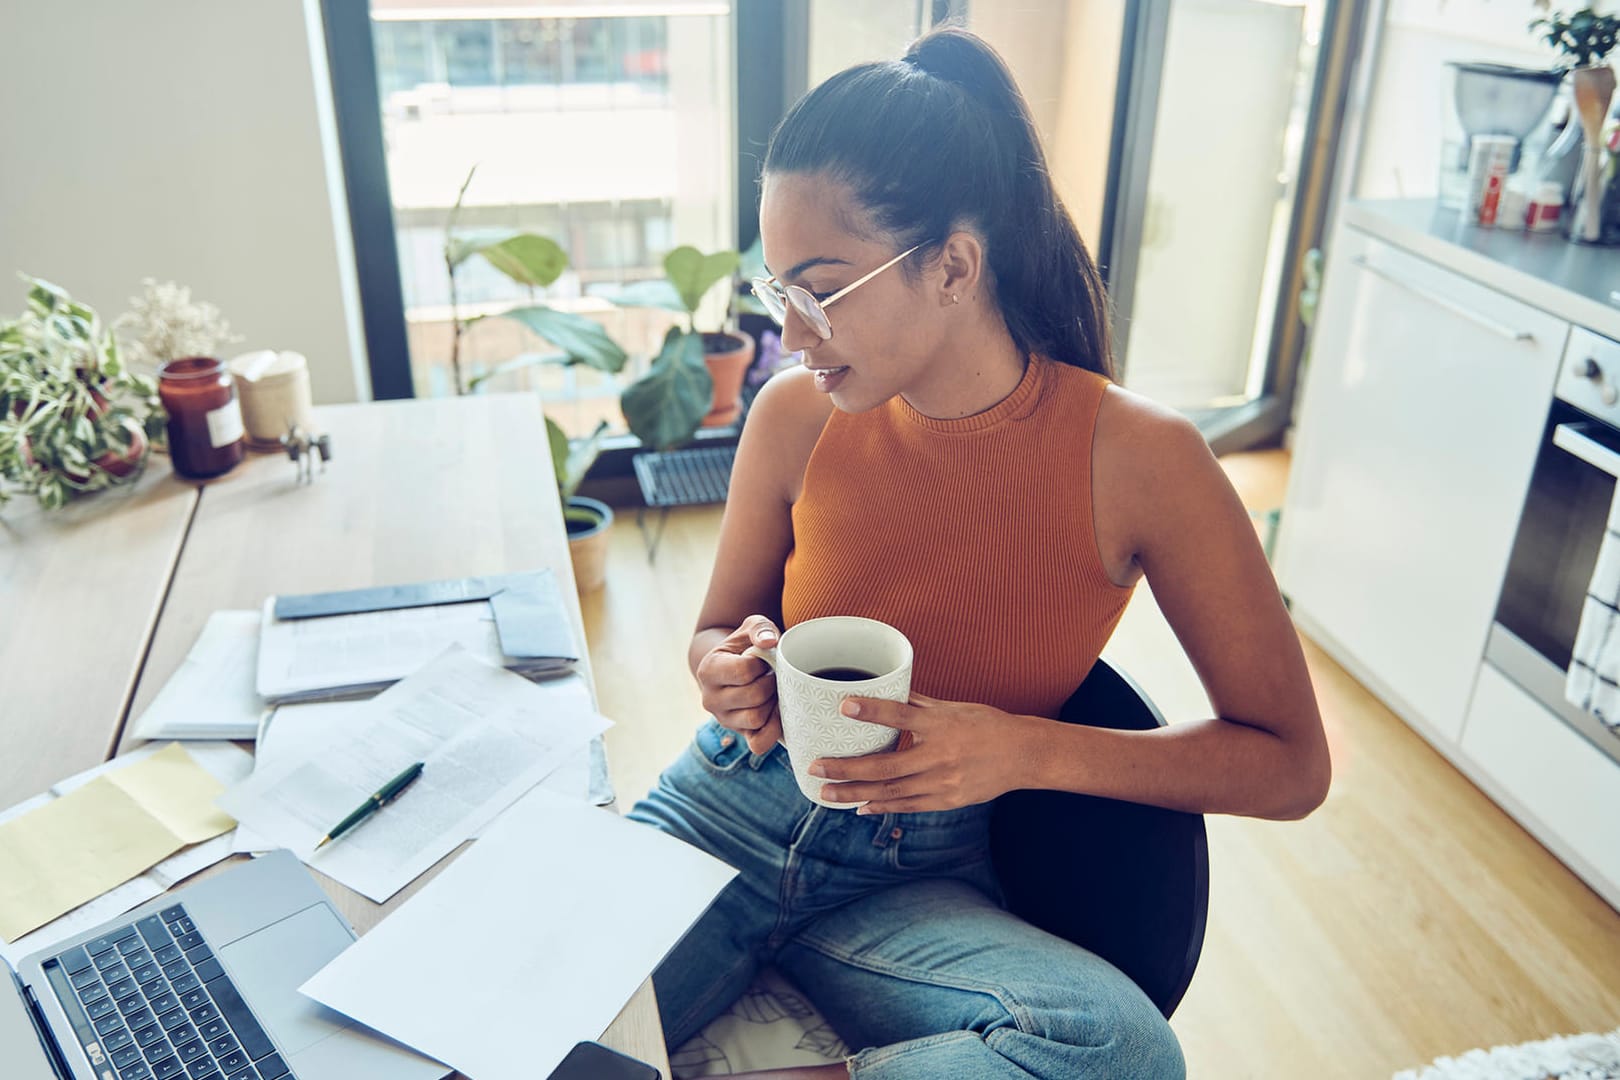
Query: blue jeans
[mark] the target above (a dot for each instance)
(892, 927)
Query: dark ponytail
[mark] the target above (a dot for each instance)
(943, 138)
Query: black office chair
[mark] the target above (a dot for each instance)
(1128, 882)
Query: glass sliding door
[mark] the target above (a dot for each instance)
(1215, 192)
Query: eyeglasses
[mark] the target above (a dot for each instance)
(814, 312)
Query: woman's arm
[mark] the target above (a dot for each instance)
(743, 604)
(1168, 504)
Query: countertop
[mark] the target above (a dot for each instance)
(1577, 282)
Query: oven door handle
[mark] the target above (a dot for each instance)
(1500, 329)
(1570, 437)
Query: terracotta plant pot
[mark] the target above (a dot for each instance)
(121, 465)
(113, 462)
(728, 357)
(588, 522)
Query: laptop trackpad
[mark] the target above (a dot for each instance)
(269, 965)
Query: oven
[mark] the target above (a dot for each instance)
(1570, 504)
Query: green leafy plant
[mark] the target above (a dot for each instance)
(73, 417)
(571, 461)
(536, 262)
(1584, 36)
(665, 406)
(1311, 289)
(750, 265)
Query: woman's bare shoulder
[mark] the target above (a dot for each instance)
(784, 423)
(1145, 457)
(1128, 422)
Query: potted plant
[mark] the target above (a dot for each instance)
(73, 417)
(1586, 38)
(696, 378)
(164, 323)
(586, 520)
(536, 261)
(533, 261)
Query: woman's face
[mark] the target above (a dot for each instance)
(883, 332)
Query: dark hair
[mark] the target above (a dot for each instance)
(943, 138)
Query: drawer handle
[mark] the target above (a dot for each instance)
(1500, 329)
(1572, 438)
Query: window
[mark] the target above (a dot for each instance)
(468, 49)
(531, 53)
(608, 130)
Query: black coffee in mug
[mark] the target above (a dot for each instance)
(843, 674)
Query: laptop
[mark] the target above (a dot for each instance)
(200, 984)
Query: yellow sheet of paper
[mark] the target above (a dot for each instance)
(178, 792)
(73, 849)
(96, 837)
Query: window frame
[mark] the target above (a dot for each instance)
(769, 50)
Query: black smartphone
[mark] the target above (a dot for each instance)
(593, 1061)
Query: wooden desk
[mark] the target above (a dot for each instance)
(417, 490)
(80, 590)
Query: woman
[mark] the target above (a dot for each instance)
(954, 460)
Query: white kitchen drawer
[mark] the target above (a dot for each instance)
(1566, 792)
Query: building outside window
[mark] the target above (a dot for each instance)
(607, 128)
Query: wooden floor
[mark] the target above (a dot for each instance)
(1406, 919)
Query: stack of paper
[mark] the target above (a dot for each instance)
(555, 916)
(212, 695)
(325, 646)
(485, 737)
(103, 841)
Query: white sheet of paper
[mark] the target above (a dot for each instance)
(299, 732)
(228, 763)
(556, 916)
(212, 695)
(485, 735)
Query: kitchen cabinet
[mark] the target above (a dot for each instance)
(1547, 776)
(1423, 406)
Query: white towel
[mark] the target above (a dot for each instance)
(1593, 680)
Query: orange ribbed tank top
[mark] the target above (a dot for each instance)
(974, 537)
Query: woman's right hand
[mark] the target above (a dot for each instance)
(740, 691)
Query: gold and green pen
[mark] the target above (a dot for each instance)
(379, 799)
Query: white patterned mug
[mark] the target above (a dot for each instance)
(818, 664)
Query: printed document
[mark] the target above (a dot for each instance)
(307, 731)
(555, 916)
(212, 695)
(485, 736)
(65, 851)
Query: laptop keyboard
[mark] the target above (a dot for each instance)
(685, 477)
(149, 1001)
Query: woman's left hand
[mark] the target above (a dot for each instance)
(960, 754)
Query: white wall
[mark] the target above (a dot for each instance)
(1030, 36)
(186, 140)
(1400, 150)
(1084, 125)
(848, 32)
(1065, 56)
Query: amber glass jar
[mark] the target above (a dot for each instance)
(205, 420)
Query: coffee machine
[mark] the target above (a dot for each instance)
(1489, 99)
